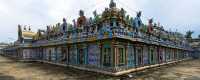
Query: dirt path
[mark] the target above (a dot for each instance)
(13, 70)
(188, 70)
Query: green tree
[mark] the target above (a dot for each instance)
(199, 36)
(189, 34)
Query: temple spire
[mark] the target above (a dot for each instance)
(112, 4)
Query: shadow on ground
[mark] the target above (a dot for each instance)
(6, 77)
(53, 70)
(188, 70)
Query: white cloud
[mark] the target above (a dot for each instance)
(177, 14)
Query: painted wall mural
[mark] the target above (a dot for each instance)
(73, 55)
(29, 54)
(140, 56)
(64, 55)
(131, 57)
(45, 54)
(49, 53)
(167, 55)
(53, 54)
(145, 56)
(82, 55)
(151, 55)
(59, 54)
(94, 54)
(163, 54)
(26, 54)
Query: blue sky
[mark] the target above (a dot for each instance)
(181, 15)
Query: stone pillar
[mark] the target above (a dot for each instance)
(114, 53)
(126, 54)
(101, 57)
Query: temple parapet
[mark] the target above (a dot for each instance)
(112, 23)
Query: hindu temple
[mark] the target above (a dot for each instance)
(111, 42)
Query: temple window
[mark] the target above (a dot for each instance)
(107, 57)
(121, 56)
(117, 23)
(111, 24)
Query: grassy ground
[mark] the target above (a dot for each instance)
(12, 70)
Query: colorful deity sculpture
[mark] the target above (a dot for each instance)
(74, 28)
(122, 13)
(105, 13)
(106, 29)
(64, 26)
(74, 23)
(58, 29)
(112, 4)
(128, 18)
(81, 22)
(48, 31)
(96, 17)
(150, 26)
(91, 28)
(87, 25)
(70, 31)
(137, 23)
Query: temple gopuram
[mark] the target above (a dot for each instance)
(111, 43)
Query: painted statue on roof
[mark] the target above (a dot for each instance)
(59, 30)
(122, 13)
(74, 23)
(96, 17)
(64, 26)
(137, 23)
(112, 4)
(81, 20)
(150, 26)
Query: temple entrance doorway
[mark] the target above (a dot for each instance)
(140, 56)
(49, 56)
(81, 56)
(64, 55)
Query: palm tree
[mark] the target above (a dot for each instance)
(189, 34)
(199, 36)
